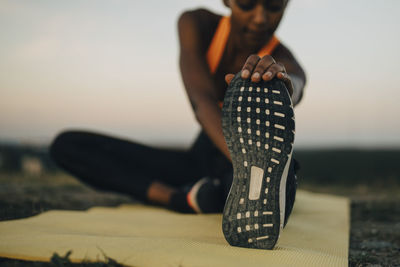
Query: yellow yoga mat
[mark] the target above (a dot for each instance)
(317, 235)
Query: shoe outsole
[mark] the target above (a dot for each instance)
(258, 125)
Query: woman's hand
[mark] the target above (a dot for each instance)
(265, 68)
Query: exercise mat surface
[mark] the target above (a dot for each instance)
(136, 235)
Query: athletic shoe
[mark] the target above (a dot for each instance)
(205, 196)
(258, 125)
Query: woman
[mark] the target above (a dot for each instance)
(212, 49)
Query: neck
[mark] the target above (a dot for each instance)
(238, 46)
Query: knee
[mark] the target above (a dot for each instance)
(60, 144)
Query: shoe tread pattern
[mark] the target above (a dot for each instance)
(240, 230)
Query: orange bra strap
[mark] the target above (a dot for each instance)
(218, 43)
(269, 47)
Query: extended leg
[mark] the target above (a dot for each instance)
(109, 163)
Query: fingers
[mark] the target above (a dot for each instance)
(265, 68)
(272, 71)
(258, 68)
(249, 66)
(229, 77)
(264, 64)
(287, 80)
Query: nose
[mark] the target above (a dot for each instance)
(260, 15)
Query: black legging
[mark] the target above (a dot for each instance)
(109, 163)
(118, 165)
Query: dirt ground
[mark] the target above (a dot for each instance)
(375, 213)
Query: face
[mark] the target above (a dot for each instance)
(255, 21)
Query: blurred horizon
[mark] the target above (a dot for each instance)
(112, 67)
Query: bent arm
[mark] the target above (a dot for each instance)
(199, 85)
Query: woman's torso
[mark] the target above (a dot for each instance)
(230, 62)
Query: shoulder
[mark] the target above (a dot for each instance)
(202, 17)
(199, 24)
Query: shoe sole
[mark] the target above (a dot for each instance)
(258, 125)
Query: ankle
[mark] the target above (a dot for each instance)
(160, 193)
(179, 202)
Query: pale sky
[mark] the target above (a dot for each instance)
(112, 67)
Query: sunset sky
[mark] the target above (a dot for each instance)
(112, 67)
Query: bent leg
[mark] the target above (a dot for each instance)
(109, 163)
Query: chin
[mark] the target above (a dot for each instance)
(256, 42)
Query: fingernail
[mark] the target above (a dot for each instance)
(268, 74)
(256, 75)
(245, 73)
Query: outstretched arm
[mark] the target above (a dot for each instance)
(198, 81)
